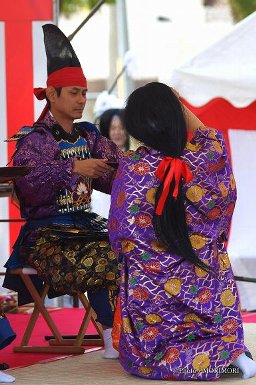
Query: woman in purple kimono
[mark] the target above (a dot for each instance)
(172, 203)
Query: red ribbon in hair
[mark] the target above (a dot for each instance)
(65, 77)
(178, 169)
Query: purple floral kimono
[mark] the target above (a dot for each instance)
(178, 322)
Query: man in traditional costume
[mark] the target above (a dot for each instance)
(66, 243)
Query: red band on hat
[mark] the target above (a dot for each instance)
(65, 77)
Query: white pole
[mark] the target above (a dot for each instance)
(123, 46)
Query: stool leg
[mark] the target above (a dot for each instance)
(85, 303)
(81, 338)
(33, 319)
(42, 309)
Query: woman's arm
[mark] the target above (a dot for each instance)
(192, 120)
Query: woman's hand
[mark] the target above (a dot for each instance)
(92, 168)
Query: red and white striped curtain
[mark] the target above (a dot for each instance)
(22, 67)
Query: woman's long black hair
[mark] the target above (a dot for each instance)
(155, 116)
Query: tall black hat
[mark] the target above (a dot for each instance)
(63, 66)
(59, 51)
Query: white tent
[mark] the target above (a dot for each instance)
(226, 69)
(219, 84)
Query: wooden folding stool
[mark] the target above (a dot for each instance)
(58, 343)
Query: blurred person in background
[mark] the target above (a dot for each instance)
(112, 127)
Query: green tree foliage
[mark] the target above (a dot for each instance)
(242, 8)
(67, 7)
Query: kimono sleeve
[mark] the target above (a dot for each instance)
(105, 149)
(212, 191)
(49, 173)
(117, 220)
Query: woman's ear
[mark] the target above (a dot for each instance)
(50, 93)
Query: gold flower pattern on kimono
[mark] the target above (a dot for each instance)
(180, 316)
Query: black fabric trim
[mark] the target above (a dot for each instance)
(60, 134)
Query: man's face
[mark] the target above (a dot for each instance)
(70, 103)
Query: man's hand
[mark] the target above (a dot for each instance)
(92, 168)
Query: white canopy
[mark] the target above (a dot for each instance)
(226, 69)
